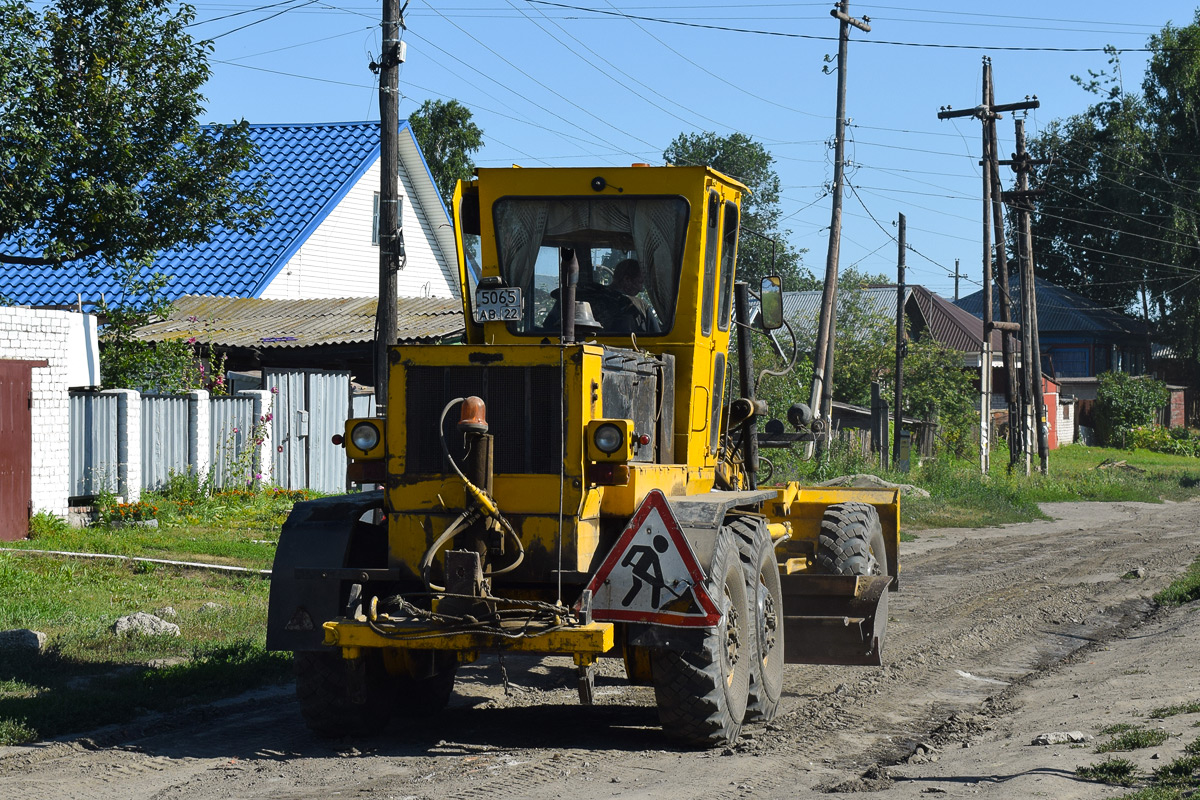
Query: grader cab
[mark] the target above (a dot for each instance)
(577, 478)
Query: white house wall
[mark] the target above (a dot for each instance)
(338, 260)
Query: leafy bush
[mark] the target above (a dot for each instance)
(1156, 438)
(1124, 402)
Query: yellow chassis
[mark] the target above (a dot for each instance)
(585, 643)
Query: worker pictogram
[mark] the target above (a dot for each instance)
(651, 574)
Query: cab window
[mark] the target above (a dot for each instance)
(629, 251)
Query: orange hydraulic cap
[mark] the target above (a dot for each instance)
(473, 416)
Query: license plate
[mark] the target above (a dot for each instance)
(498, 305)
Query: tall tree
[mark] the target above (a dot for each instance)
(740, 157)
(1121, 219)
(448, 138)
(101, 153)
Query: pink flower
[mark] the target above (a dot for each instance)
(258, 476)
(279, 449)
(274, 390)
(235, 430)
(191, 340)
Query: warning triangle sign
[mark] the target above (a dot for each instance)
(651, 574)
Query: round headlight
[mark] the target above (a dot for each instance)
(365, 436)
(608, 438)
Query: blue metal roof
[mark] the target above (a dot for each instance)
(1060, 310)
(309, 169)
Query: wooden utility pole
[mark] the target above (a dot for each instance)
(988, 112)
(821, 398)
(901, 344)
(956, 275)
(1022, 164)
(1007, 324)
(391, 237)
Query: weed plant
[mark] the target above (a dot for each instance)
(1180, 772)
(1183, 589)
(1135, 739)
(1117, 771)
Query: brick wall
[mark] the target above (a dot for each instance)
(36, 335)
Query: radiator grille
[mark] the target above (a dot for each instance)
(523, 409)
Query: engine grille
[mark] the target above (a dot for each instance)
(523, 409)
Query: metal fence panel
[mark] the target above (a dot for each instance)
(328, 409)
(93, 432)
(289, 427)
(362, 405)
(165, 446)
(231, 422)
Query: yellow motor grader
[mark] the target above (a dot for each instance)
(579, 478)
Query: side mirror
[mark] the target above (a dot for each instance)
(771, 303)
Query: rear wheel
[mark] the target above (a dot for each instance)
(343, 697)
(765, 596)
(851, 541)
(425, 682)
(701, 696)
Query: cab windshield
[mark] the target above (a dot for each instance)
(629, 250)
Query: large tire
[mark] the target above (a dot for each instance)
(701, 696)
(335, 701)
(851, 541)
(765, 595)
(422, 697)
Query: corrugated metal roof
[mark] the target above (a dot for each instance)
(247, 322)
(805, 306)
(309, 169)
(952, 326)
(948, 324)
(1060, 310)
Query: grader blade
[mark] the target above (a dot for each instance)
(834, 619)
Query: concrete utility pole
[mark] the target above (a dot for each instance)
(901, 343)
(988, 112)
(821, 398)
(391, 237)
(956, 276)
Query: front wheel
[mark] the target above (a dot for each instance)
(765, 595)
(702, 696)
(851, 541)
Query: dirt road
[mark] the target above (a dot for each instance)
(997, 635)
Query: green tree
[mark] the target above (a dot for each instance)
(105, 158)
(1124, 402)
(1121, 220)
(448, 138)
(166, 367)
(937, 386)
(746, 160)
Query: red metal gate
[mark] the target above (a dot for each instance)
(16, 450)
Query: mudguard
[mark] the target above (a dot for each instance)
(317, 535)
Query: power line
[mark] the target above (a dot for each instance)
(260, 21)
(814, 37)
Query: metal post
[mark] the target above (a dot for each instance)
(901, 342)
(822, 353)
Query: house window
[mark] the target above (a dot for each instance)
(375, 216)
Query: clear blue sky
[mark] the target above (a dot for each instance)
(610, 82)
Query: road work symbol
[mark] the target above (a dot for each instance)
(644, 568)
(651, 574)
